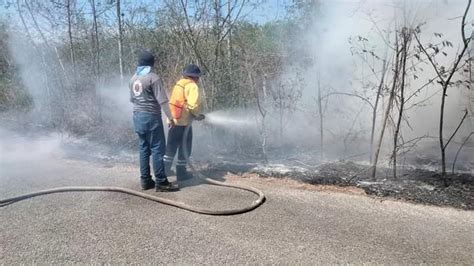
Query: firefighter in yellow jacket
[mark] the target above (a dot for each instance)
(185, 105)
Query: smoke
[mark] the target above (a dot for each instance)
(28, 149)
(31, 70)
(335, 69)
(26, 154)
(338, 69)
(115, 100)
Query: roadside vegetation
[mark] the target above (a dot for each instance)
(66, 62)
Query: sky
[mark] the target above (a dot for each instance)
(268, 10)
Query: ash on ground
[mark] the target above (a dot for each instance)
(414, 184)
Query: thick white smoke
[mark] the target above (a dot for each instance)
(339, 70)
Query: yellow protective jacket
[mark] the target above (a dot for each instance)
(184, 101)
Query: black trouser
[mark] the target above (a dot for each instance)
(175, 144)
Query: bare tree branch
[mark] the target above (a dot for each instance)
(456, 131)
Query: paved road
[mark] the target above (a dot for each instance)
(294, 226)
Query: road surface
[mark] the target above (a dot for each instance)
(296, 224)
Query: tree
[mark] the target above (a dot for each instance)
(395, 79)
(69, 10)
(405, 36)
(445, 76)
(120, 38)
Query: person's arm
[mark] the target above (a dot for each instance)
(162, 98)
(167, 111)
(193, 100)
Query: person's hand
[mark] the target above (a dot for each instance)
(200, 117)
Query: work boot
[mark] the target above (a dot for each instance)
(147, 183)
(182, 174)
(166, 186)
(168, 170)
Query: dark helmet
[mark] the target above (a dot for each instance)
(146, 58)
(192, 70)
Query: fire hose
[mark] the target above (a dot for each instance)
(181, 205)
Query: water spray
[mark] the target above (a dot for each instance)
(229, 120)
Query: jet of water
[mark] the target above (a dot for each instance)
(229, 119)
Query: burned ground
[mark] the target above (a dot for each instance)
(414, 185)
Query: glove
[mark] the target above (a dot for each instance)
(200, 117)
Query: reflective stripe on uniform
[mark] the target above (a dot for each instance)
(167, 158)
(181, 162)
